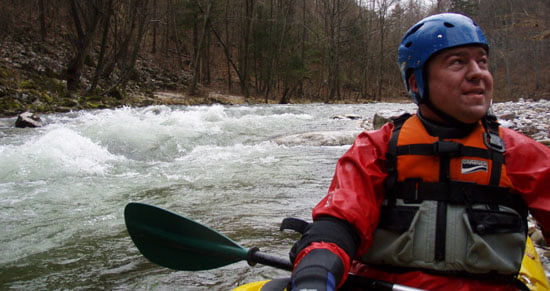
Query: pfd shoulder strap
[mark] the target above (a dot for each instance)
(391, 155)
(495, 144)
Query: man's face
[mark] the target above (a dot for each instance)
(460, 83)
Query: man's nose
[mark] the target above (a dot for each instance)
(474, 71)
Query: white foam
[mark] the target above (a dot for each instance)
(59, 151)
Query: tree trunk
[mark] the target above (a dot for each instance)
(198, 46)
(139, 13)
(42, 17)
(85, 19)
(107, 12)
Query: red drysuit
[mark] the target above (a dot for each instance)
(357, 191)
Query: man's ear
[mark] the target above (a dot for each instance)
(412, 83)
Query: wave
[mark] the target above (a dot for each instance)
(60, 151)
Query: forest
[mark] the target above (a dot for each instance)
(273, 51)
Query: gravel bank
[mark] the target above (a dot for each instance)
(531, 118)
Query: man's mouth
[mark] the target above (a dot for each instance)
(474, 92)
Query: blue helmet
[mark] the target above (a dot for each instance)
(429, 36)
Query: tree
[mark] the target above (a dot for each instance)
(333, 13)
(199, 40)
(516, 34)
(247, 23)
(86, 17)
(323, 49)
(130, 26)
(467, 7)
(383, 10)
(107, 12)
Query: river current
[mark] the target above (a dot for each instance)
(63, 188)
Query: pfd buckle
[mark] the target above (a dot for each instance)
(447, 148)
(494, 142)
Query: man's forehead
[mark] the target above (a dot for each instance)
(464, 51)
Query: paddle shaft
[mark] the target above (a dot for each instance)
(255, 256)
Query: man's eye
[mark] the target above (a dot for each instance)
(457, 62)
(483, 62)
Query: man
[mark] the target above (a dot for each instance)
(437, 200)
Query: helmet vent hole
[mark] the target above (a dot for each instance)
(409, 44)
(447, 24)
(414, 29)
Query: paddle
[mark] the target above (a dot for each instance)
(179, 243)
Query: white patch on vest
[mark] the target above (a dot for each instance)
(472, 166)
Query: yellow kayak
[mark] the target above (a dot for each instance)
(278, 284)
(531, 273)
(254, 286)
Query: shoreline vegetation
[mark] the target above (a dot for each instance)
(32, 80)
(57, 56)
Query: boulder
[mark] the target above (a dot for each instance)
(318, 138)
(347, 116)
(28, 119)
(531, 118)
(384, 116)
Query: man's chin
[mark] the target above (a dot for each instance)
(473, 116)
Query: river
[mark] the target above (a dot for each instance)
(63, 188)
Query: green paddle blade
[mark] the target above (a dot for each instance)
(178, 243)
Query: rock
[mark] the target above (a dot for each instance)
(506, 123)
(531, 118)
(318, 138)
(384, 116)
(508, 116)
(226, 99)
(28, 119)
(69, 102)
(379, 120)
(63, 109)
(347, 116)
(538, 239)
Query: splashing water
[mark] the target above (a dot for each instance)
(63, 188)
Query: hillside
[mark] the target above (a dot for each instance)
(68, 55)
(32, 78)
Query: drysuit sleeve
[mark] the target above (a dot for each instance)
(323, 255)
(358, 186)
(345, 219)
(528, 167)
(320, 270)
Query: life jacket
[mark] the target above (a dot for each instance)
(449, 208)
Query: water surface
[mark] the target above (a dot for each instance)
(63, 188)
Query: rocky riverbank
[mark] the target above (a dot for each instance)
(531, 118)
